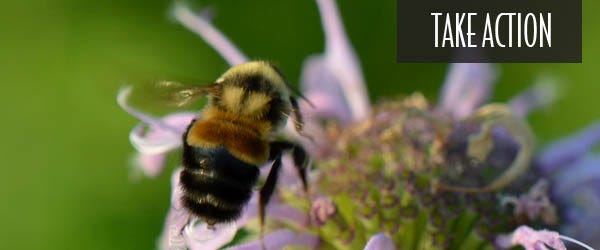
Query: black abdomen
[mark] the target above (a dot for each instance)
(216, 184)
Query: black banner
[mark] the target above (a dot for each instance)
(489, 31)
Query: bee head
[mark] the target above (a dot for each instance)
(255, 90)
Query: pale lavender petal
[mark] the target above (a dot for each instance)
(150, 164)
(281, 238)
(122, 97)
(161, 141)
(176, 191)
(467, 86)
(380, 241)
(172, 237)
(201, 25)
(568, 150)
(540, 95)
(275, 210)
(202, 237)
(324, 91)
(155, 139)
(530, 239)
(177, 218)
(341, 61)
(182, 231)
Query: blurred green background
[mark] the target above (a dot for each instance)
(65, 153)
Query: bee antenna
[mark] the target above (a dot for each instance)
(296, 123)
(312, 105)
(299, 94)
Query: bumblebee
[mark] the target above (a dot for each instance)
(235, 135)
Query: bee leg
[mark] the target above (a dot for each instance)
(301, 161)
(265, 193)
(299, 156)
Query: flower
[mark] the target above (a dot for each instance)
(401, 173)
(575, 173)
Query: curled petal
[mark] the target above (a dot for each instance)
(202, 237)
(466, 87)
(182, 231)
(201, 25)
(569, 150)
(155, 139)
(172, 237)
(539, 95)
(281, 238)
(122, 97)
(153, 142)
(530, 239)
(380, 241)
(341, 62)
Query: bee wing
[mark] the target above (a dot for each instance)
(179, 94)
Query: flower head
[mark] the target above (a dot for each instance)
(400, 173)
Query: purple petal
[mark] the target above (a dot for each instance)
(530, 239)
(340, 62)
(582, 216)
(122, 97)
(466, 88)
(177, 218)
(380, 241)
(202, 237)
(281, 238)
(568, 150)
(181, 231)
(586, 171)
(540, 95)
(201, 25)
(577, 188)
(323, 89)
(156, 139)
(154, 142)
(275, 210)
(151, 164)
